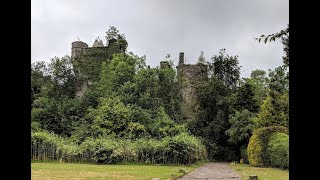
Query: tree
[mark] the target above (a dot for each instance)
(275, 108)
(245, 99)
(63, 77)
(104, 86)
(169, 92)
(147, 88)
(259, 81)
(111, 117)
(121, 70)
(242, 126)
(279, 80)
(58, 115)
(225, 68)
(40, 79)
(113, 33)
(212, 119)
(273, 112)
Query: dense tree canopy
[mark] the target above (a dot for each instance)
(128, 100)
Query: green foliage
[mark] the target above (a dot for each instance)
(255, 151)
(63, 77)
(180, 149)
(104, 87)
(274, 36)
(147, 88)
(225, 68)
(113, 33)
(39, 79)
(279, 80)
(278, 150)
(244, 154)
(258, 145)
(164, 126)
(259, 82)
(110, 117)
(88, 66)
(130, 112)
(35, 126)
(245, 98)
(169, 93)
(241, 126)
(114, 37)
(57, 115)
(275, 108)
(212, 120)
(121, 69)
(272, 114)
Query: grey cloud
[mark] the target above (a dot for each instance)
(158, 27)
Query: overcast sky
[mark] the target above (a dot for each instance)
(157, 27)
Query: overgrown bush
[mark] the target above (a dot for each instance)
(101, 149)
(258, 144)
(179, 149)
(244, 154)
(47, 146)
(278, 150)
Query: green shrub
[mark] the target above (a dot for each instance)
(255, 151)
(278, 150)
(258, 144)
(244, 155)
(180, 149)
(184, 149)
(47, 146)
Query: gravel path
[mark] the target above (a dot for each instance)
(212, 171)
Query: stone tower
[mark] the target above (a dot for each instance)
(77, 49)
(98, 43)
(88, 56)
(189, 75)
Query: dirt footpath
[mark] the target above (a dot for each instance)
(212, 171)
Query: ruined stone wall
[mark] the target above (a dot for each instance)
(189, 76)
(77, 48)
(89, 61)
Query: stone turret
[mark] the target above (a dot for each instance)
(181, 58)
(77, 48)
(98, 43)
(189, 75)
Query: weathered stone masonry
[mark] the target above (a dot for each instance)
(189, 75)
(79, 50)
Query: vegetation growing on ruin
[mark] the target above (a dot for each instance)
(132, 112)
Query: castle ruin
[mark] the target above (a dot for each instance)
(189, 75)
(91, 58)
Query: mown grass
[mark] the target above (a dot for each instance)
(69, 171)
(245, 170)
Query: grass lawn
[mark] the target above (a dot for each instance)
(69, 171)
(244, 170)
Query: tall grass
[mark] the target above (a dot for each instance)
(179, 149)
